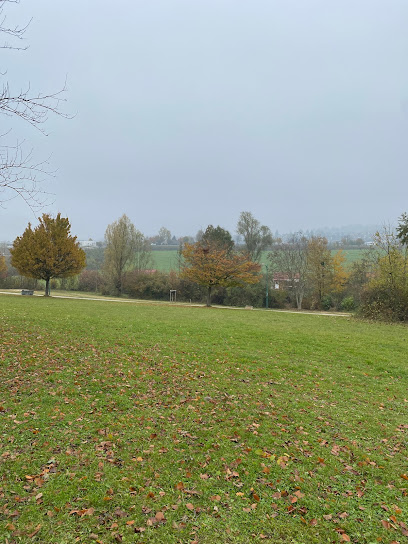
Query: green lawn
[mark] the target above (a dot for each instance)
(125, 422)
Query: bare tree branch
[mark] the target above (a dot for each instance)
(13, 31)
(20, 174)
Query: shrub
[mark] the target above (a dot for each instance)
(381, 302)
(147, 286)
(90, 280)
(69, 284)
(278, 298)
(348, 304)
(18, 282)
(326, 302)
(307, 303)
(247, 295)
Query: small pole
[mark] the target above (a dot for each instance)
(267, 290)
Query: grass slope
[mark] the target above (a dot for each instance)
(139, 423)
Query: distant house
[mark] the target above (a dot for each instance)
(283, 281)
(87, 243)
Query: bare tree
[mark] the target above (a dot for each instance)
(20, 173)
(291, 260)
(164, 236)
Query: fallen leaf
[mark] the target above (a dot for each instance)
(35, 531)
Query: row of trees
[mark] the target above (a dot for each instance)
(212, 261)
(306, 271)
(49, 251)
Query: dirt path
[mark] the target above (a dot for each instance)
(159, 303)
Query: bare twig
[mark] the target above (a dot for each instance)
(20, 174)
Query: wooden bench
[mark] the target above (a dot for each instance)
(27, 292)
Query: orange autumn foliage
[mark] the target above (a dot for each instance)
(212, 266)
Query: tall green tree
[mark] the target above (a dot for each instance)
(126, 249)
(143, 253)
(402, 230)
(257, 237)
(48, 251)
(218, 237)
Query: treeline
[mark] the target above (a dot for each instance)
(301, 272)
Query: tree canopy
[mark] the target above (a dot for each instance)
(48, 251)
(257, 237)
(217, 236)
(402, 229)
(214, 266)
(126, 248)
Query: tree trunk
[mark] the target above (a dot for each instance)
(209, 296)
(47, 287)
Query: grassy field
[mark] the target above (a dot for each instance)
(165, 424)
(166, 260)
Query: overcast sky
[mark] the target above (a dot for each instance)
(188, 112)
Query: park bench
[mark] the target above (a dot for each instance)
(27, 292)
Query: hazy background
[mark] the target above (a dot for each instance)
(189, 112)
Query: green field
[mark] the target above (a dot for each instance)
(167, 259)
(131, 422)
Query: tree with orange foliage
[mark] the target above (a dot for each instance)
(212, 265)
(340, 274)
(3, 267)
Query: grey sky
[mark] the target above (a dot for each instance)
(191, 111)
